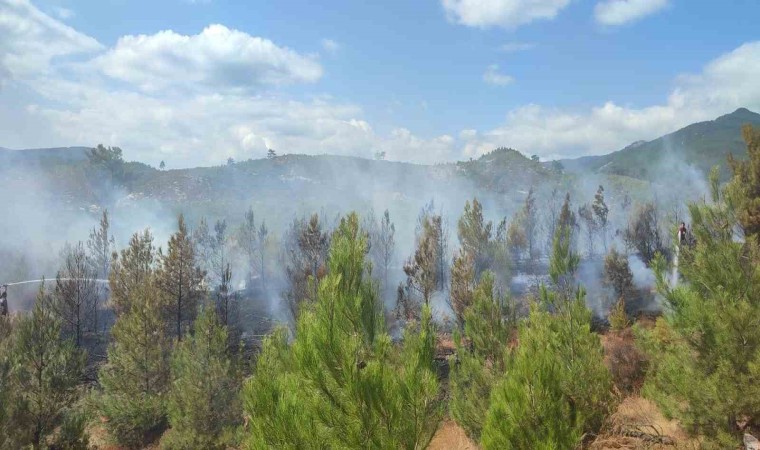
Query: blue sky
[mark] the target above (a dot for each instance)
(423, 81)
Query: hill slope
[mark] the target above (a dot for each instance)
(701, 145)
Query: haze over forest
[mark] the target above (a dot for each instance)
(223, 229)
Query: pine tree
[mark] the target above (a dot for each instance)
(203, 404)
(180, 279)
(76, 295)
(564, 261)
(131, 270)
(263, 236)
(475, 236)
(705, 351)
(744, 187)
(136, 377)
(530, 222)
(421, 271)
(601, 212)
(462, 285)
(557, 388)
(341, 383)
(99, 246)
(247, 240)
(44, 373)
(481, 355)
(644, 235)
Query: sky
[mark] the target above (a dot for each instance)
(194, 82)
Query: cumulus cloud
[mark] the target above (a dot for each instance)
(726, 83)
(620, 12)
(494, 77)
(206, 113)
(503, 13)
(30, 40)
(218, 58)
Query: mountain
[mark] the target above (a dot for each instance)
(700, 145)
(43, 155)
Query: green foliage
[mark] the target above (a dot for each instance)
(44, 373)
(745, 185)
(136, 378)
(72, 434)
(179, 278)
(556, 388)
(342, 383)
(705, 353)
(480, 357)
(131, 270)
(564, 260)
(618, 317)
(203, 403)
(475, 235)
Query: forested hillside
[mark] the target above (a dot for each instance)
(546, 310)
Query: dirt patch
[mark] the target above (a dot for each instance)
(450, 436)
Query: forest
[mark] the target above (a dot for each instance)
(529, 331)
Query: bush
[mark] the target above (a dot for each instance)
(557, 388)
(618, 317)
(203, 403)
(480, 356)
(72, 435)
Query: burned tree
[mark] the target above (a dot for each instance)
(601, 212)
(382, 245)
(76, 294)
(643, 233)
(100, 247)
(306, 252)
(588, 219)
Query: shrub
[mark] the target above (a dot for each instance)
(557, 388)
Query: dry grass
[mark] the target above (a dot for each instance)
(450, 436)
(638, 424)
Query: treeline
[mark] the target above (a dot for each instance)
(176, 373)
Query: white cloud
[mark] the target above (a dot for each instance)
(494, 77)
(63, 13)
(218, 58)
(30, 39)
(205, 117)
(726, 83)
(513, 47)
(620, 12)
(503, 13)
(330, 46)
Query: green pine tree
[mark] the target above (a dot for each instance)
(203, 403)
(136, 378)
(705, 351)
(45, 372)
(557, 388)
(342, 383)
(481, 355)
(179, 278)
